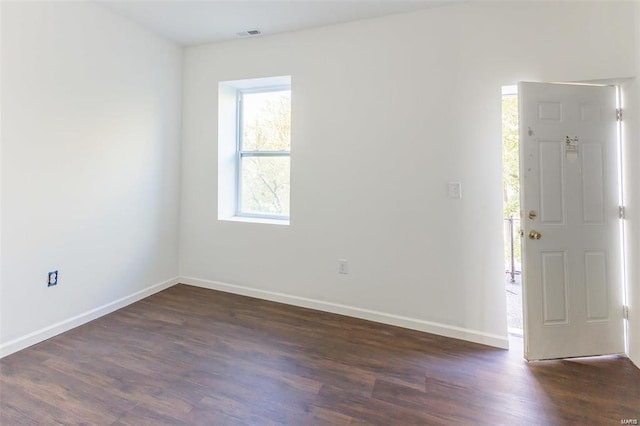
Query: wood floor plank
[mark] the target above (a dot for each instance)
(371, 410)
(191, 356)
(13, 399)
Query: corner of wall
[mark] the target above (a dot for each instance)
(105, 153)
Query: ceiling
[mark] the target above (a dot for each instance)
(195, 22)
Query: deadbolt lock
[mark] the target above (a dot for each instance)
(532, 214)
(534, 235)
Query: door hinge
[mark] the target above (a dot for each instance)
(622, 212)
(625, 312)
(618, 114)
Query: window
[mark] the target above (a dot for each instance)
(264, 152)
(254, 150)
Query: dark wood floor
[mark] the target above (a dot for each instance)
(194, 356)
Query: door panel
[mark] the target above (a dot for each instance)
(569, 179)
(554, 287)
(596, 284)
(592, 183)
(551, 183)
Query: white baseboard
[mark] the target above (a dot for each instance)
(53, 330)
(351, 311)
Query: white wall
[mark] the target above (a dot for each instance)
(632, 129)
(385, 113)
(91, 108)
(1, 173)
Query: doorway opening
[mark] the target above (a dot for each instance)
(511, 209)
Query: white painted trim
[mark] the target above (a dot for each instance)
(251, 219)
(351, 311)
(38, 336)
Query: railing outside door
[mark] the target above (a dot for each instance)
(513, 236)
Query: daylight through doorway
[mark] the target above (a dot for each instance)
(511, 209)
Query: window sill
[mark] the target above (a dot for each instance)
(249, 219)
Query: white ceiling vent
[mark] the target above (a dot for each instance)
(249, 33)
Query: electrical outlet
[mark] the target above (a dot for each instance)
(53, 279)
(343, 266)
(455, 190)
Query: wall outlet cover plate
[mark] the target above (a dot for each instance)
(53, 279)
(455, 190)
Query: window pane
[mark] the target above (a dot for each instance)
(265, 185)
(266, 121)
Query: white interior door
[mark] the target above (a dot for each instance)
(572, 270)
